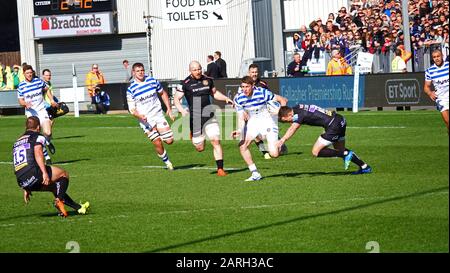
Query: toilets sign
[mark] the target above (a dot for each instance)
(194, 13)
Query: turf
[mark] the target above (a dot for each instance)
(303, 204)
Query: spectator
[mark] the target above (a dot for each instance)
(101, 100)
(297, 40)
(93, 79)
(128, 74)
(297, 67)
(2, 81)
(15, 75)
(212, 70)
(338, 65)
(221, 64)
(398, 65)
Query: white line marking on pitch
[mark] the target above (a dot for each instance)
(193, 168)
(270, 206)
(378, 127)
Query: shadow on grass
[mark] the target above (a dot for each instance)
(298, 219)
(68, 137)
(308, 174)
(188, 167)
(232, 171)
(71, 161)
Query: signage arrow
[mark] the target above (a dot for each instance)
(219, 17)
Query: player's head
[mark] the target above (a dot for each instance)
(33, 124)
(253, 71)
(195, 68)
(285, 114)
(438, 59)
(139, 71)
(247, 85)
(46, 75)
(28, 72)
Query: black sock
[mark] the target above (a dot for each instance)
(261, 146)
(61, 187)
(219, 164)
(327, 152)
(68, 201)
(357, 161)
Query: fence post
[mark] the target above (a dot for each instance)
(356, 89)
(75, 96)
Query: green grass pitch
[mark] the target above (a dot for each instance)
(303, 204)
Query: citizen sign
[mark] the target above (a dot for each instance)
(73, 25)
(402, 91)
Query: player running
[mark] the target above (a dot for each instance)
(437, 75)
(198, 88)
(30, 96)
(144, 104)
(33, 175)
(254, 102)
(334, 125)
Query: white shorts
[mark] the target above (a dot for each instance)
(42, 115)
(442, 104)
(211, 130)
(265, 128)
(158, 121)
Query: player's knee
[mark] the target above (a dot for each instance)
(154, 136)
(168, 141)
(167, 137)
(200, 148)
(215, 142)
(274, 154)
(315, 153)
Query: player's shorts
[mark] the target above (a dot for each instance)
(266, 128)
(442, 104)
(32, 180)
(209, 129)
(156, 121)
(335, 131)
(42, 114)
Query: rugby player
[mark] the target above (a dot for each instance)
(33, 175)
(437, 75)
(334, 125)
(254, 102)
(143, 103)
(198, 88)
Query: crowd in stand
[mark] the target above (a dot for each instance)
(10, 77)
(377, 27)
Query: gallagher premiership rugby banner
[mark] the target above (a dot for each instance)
(73, 25)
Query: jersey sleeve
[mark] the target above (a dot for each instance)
(427, 76)
(40, 140)
(130, 100)
(158, 87)
(268, 95)
(20, 92)
(237, 105)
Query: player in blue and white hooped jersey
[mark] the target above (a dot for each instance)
(437, 75)
(143, 103)
(30, 96)
(252, 105)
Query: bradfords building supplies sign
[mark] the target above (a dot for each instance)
(73, 25)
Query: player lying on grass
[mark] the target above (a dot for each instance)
(32, 173)
(334, 125)
(255, 121)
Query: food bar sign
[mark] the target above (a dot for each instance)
(194, 13)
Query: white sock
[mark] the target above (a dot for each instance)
(252, 168)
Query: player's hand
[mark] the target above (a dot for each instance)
(170, 115)
(54, 104)
(45, 179)
(229, 101)
(432, 96)
(235, 134)
(143, 118)
(26, 196)
(280, 143)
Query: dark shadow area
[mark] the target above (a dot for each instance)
(187, 167)
(68, 137)
(71, 161)
(232, 171)
(298, 219)
(308, 174)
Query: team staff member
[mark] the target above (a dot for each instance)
(437, 75)
(33, 175)
(198, 88)
(334, 125)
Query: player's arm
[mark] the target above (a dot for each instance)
(282, 100)
(50, 97)
(428, 90)
(290, 132)
(165, 99)
(22, 102)
(39, 157)
(177, 101)
(221, 97)
(242, 117)
(132, 108)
